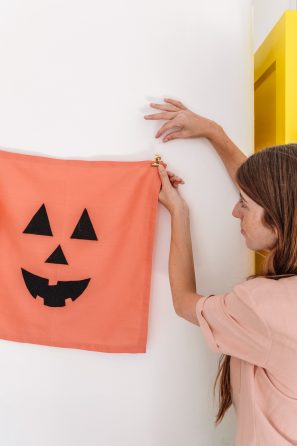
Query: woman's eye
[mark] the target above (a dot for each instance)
(242, 203)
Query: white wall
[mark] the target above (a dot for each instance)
(75, 79)
(266, 14)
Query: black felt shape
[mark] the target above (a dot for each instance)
(84, 228)
(39, 223)
(54, 295)
(57, 257)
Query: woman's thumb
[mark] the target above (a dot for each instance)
(163, 175)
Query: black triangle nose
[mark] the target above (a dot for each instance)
(57, 256)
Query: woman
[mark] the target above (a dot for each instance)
(254, 326)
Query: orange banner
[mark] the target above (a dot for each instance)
(76, 240)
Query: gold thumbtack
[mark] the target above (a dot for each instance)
(156, 163)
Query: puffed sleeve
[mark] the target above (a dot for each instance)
(233, 324)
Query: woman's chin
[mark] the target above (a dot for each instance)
(249, 244)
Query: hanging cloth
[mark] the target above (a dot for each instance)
(76, 244)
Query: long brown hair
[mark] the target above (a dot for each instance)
(269, 177)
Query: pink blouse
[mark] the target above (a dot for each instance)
(256, 323)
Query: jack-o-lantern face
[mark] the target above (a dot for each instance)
(55, 295)
(76, 240)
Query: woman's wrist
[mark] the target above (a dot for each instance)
(214, 132)
(179, 209)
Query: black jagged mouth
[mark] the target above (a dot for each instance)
(54, 295)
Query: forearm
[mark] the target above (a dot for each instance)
(230, 154)
(181, 265)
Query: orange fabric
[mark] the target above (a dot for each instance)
(120, 198)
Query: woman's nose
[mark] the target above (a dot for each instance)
(235, 212)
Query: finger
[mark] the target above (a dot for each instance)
(176, 103)
(165, 107)
(164, 177)
(164, 115)
(179, 180)
(170, 174)
(173, 135)
(173, 177)
(167, 126)
(176, 180)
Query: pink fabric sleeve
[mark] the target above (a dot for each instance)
(232, 324)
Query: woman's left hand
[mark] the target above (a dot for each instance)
(169, 195)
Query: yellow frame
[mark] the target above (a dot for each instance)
(275, 89)
(279, 51)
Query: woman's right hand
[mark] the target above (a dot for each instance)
(181, 122)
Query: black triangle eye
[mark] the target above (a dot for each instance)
(84, 228)
(39, 223)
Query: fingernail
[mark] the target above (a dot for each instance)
(161, 167)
